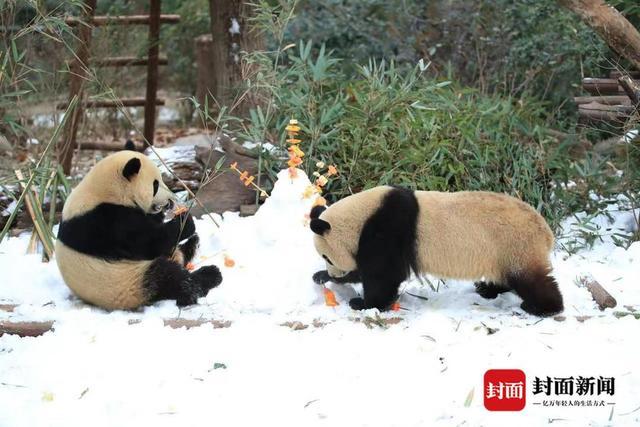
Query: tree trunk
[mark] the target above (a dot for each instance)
(231, 37)
(614, 28)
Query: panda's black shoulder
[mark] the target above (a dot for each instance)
(398, 208)
(389, 235)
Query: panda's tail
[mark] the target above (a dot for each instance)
(538, 289)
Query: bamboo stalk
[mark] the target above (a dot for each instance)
(33, 208)
(54, 137)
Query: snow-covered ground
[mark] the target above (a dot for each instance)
(344, 369)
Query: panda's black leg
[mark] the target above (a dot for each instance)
(378, 294)
(490, 290)
(189, 247)
(207, 278)
(166, 279)
(539, 291)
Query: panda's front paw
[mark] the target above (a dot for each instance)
(357, 303)
(189, 248)
(321, 277)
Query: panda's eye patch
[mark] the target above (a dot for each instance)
(326, 258)
(156, 185)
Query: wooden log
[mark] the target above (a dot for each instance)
(25, 329)
(602, 86)
(617, 74)
(599, 112)
(152, 72)
(126, 61)
(604, 100)
(106, 146)
(99, 21)
(598, 293)
(78, 76)
(611, 25)
(125, 102)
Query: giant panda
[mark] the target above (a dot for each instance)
(115, 250)
(380, 235)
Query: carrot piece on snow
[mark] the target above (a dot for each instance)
(330, 298)
(395, 306)
(228, 262)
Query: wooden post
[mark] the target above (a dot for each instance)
(231, 36)
(77, 77)
(152, 71)
(205, 71)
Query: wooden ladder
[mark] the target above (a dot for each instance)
(79, 72)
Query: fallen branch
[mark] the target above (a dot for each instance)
(35, 329)
(631, 88)
(178, 323)
(598, 293)
(8, 307)
(25, 329)
(580, 319)
(368, 321)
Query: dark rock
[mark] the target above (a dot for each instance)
(223, 191)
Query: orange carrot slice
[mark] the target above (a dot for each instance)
(179, 210)
(330, 298)
(228, 262)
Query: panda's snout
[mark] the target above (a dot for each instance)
(167, 206)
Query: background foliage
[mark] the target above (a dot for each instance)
(439, 94)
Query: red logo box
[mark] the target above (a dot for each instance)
(505, 390)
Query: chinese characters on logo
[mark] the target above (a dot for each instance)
(505, 390)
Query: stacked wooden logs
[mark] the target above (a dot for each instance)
(614, 99)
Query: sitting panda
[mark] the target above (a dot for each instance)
(114, 249)
(380, 235)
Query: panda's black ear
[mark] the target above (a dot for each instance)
(131, 168)
(316, 211)
(320, 226)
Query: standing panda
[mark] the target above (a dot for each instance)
(380, 235)
(114, 249)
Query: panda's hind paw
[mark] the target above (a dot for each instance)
(489, 290)
(207, 277)
(357, 303)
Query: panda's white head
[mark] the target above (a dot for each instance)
(335, 241)
(126, 178)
